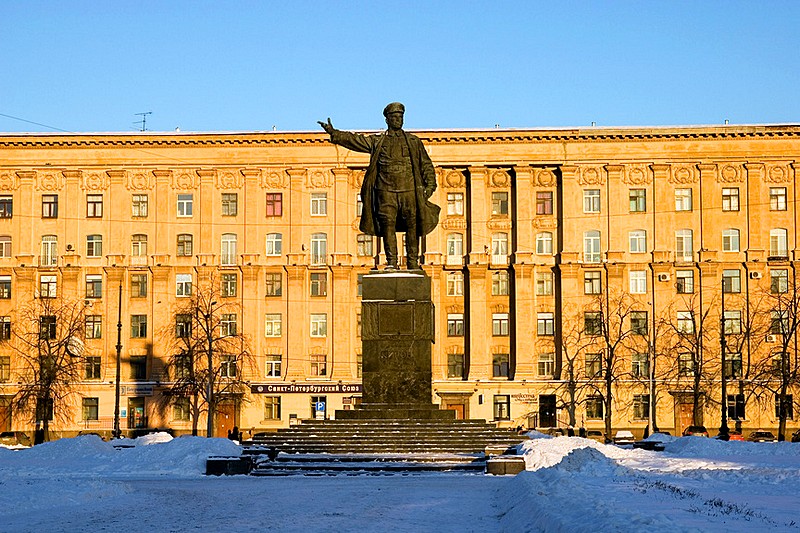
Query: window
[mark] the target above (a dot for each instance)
(684, 282)
(455, 283)
(94, 245)
(777, 198)
(89, 408)
(546, 364)
(683, 245)
(274, 204)
(274, 242)
(591, 201)
(228, 249)
(5, 328)
(455, 365)
(94, 286)
(544, 283)
(230, 204)
(183, 326)
(685, 322)
(272, 408)
(592, 323)
(499, 247)
(139, 206)
(778, 247)
(5, 368)
(638, 200)
(274, 283)
(272, 367)
(683, 199)
(94, 205)
(138, 285)
(592, 282)
(500, 365)
(732, 281)
(319, 284)
(779, 323)
(641, 406)
(227, 366)
(185, 242)
(594, 407)
(138, 245)
(92, 368)
(49, 250)
(544, 203)
(593, 365)
(545, 324)
(49, 206)
(47, 327)
(544, 243)
(138, 367)
(736, 406)
(455, 248)
(180, 410)
(639, 322)
(455, 203)
(5, 287)
(499, 203)
(591, 246)
(319, 365)
(779, 281)
(730, 240)
(94, 326)
(359, 284)
(138, 326)
(637, 281)
(455, 325)
(787, 405)
(502, 407)
(48, 286)
(319, 203)
(272, 325)
(500, 283)
(364, 245)
(319, 325)
(359, 205)
(733, 322)
(6, 206)
(319, 249)
(730, 198)
(638, 241)
(183, 285)
(359, 363)
(185, 202)
(500, 324)
(228, 285)
(640, 365)
(733, 365)
(227, 324)
(5, 246)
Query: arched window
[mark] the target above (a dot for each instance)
(319, 249)
(730, 240)
(638, 241)
(228, 250)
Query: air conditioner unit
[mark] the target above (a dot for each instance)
(772, 338)
(755, 275)
(663, 277)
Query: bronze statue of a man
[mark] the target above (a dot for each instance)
(398, 182)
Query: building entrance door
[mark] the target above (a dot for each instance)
(136, 418)
(547, 411)
(225, 419)
(684, 412)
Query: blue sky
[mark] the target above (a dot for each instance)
(84, 66)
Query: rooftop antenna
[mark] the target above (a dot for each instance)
(142, 123)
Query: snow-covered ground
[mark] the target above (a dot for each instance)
(571, 484)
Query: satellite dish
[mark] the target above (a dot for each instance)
(75, 347)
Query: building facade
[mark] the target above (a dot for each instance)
(575, 272)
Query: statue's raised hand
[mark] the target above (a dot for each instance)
(328, 127)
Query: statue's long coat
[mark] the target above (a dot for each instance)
(424, 178)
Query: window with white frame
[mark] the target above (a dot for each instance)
(364, 247)
(591, 246)
(319, 203)
(230, 204)
(319, 283)
(502, 406)
(272, 325)
(637, 198)
(779, 280)
(274, 244)
(49, 250)
(184, 248)
(732, 280)
(591, 201)
(500, 324)
(684, 281)
(228, 250)
(544, 243)
(730, 198)
(138, 245)
(319, 365)
(94, 285)
(683, 199)
(138, 285)
(638, 241)
(48, 284)
(185, 202)
(5, 246)
(546, 364)
(685, 322)
(592, 282)
(730, 240)
(139, 205)
(593, 365)
(640, 365)
(228, 324)
(455, 365)
(455, 248)
(778, 243)
(639, 322)
(733, 322)
(183, 285)
(319, 249)
(455, 324)
(5, 287)
(594, 407)
(359, 205)
(544, 283)
(455, 283)
(272, 407)
(272, 368)
(228, 285)
(94, 205)
(500, 283)
(545, 324)
(227, 366)
(777, 198)
(94, 246)
(499, 247)
(637, 281)
(274, 284)
(455, 203)
(319, 324)
(499, 203)
(684, 245)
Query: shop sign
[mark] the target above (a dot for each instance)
(525, 398)
(136, 390)
(305, 388)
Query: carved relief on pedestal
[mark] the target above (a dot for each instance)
(274, 178)
(453, 179)
(637, 174)
(318, 179)
(8, 181)
(591, 175)
(731, 173)
(49, 181)
(683, 175)
(777, 173)
(498, 178)
(95, 181)
(184, 180)
(545, 178)
(229, 179)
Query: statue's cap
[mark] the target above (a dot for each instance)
(394, 107)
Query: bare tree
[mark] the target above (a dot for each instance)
(208, 352)
(47, 341)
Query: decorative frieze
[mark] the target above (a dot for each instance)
(50, 181)
(731, 173)
(591, 175)
(94, 181)
(778, 173)
(636, 175)
(274, 178)
(229, 179)
(683, 174)
(318, 179)
(184, 180)
(453, 179)
(8, 181)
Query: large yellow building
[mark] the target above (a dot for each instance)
(537, 227)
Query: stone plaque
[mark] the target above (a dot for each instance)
(396, 319)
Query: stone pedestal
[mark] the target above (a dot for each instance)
(397, 329)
